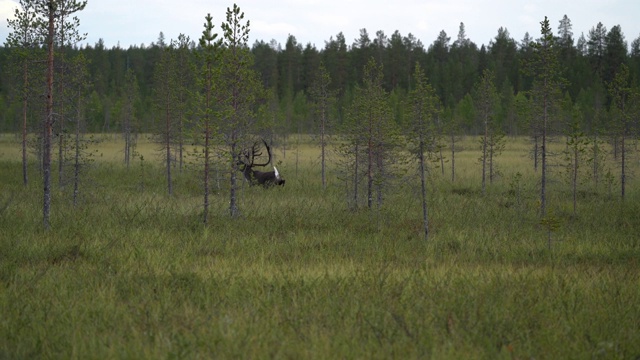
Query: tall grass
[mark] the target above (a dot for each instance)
(132, 273)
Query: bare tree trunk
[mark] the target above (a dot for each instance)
(491, 159)
(168, 143)
(425, 219)
(233, 201)
(48, 121)
(484, 152)
(543, 185)
(127, 138)
(574, 179)
(381, 173)
(535, 152)
(322, 148)
(25, 176)
(355, 176)
(595, 159)
(369, 171)
(453, 156)
(76, 165)
(207, 136)
(61, 114)
(623, 175)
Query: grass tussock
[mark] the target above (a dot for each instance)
(131, 272)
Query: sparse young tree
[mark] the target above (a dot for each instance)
(24, 41)
(371, 135)
(622, 97)
(422, 132)
(66, 35)
(50, 11)
(487, 101)
(544, 68)
(166, 99)
(129, 119)
(323, 98)
(78, 81)
(238, 91)
(185, 79)
(577, 144)
(209, 54)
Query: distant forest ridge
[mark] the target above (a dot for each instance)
(454, 67)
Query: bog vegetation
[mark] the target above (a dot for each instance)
(132, 272)
(454, 202)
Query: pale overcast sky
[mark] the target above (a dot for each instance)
(136, 22)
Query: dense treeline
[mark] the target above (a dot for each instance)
(453, 67)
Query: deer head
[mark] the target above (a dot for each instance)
(246, 162)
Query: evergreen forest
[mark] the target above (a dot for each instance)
(588, 62)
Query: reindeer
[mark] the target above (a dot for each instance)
(246, 162)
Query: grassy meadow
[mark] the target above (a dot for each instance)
(132, 273)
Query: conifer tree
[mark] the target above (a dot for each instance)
(130, 96)
(24, 41)
(50, 12)
(166, 99)
(422, 132)
(323, 98)
(206, 81)
(372, 135)
(486, 103)
(237, 95)
(544, 68)
(623, 97)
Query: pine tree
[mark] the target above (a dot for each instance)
(207, 86)
(547, 82)
(372, 135)
(130, 96)
(323, 98)
(51, 10)
(166, 99)
(24, 41)
(422, 132)
(487, 103)
(623, 97)
(237, 95)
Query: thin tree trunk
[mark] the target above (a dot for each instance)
(543, 186)
(491, 159)
(574, 180)
(370, 170)
(425, 218)
(233, 203)
(168, 142)
(25, 176)
(355, 176)
(623, 175)
(207, 136)
(76, 167)
(322, 148)
(484, 153)
(595, 159)
(48, 121)
(535, 152)
(453, 157)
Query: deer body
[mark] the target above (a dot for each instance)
(253, 177)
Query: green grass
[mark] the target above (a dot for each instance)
(133, 273)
